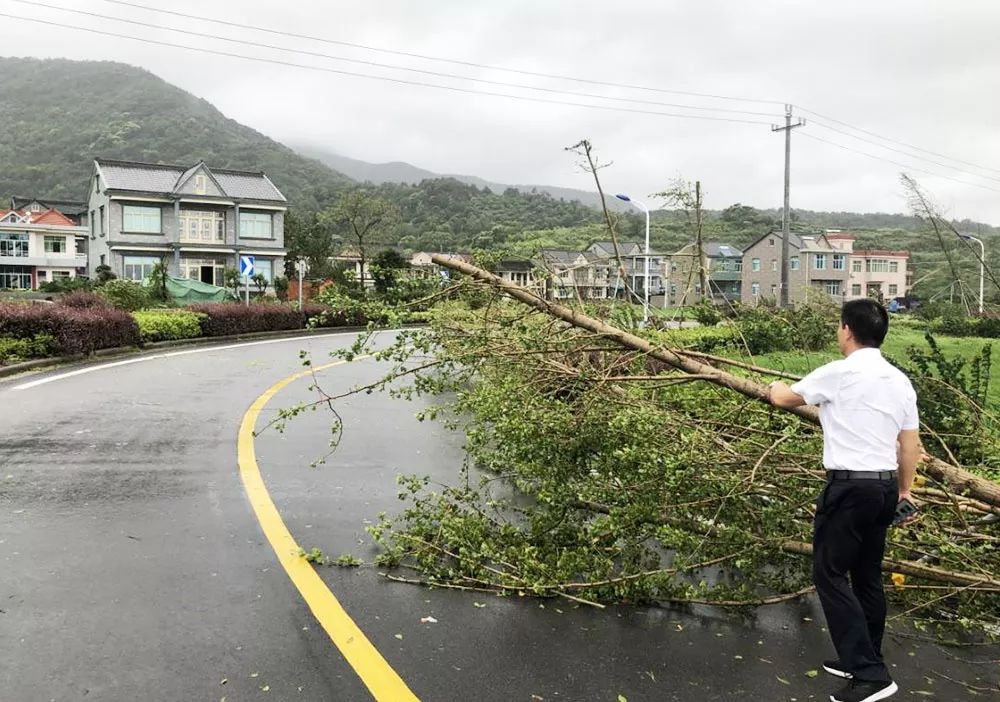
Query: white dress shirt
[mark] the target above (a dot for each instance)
(864, 402)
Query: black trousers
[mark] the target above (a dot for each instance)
(852, 517)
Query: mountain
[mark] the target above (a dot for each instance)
(57, 115)
(401, 172)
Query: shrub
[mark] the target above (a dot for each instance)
(704, 339)
(82, 299)
(16, 350)
(228, 318)
(343, 310)
(805, 328)
(61, 285)
(707, 314)
(125, 295)
(75, 330)
(168, 325)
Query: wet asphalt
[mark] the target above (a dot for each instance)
(133, 568)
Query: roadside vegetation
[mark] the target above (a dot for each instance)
(601, 475)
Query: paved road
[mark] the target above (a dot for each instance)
(132, 566)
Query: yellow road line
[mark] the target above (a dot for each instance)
(382, 681)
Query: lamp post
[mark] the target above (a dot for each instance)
(645, 285)
(982, 264)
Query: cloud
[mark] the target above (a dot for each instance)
(918, 73)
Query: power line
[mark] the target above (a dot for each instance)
(900, 151)
(427, 57)
(401, 81)
(376, 64)
(897, 163)
(894, 141)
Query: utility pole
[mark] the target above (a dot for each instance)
(702, 278)
(787, 129)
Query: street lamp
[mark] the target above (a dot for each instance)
(645, 286)
(982, 264)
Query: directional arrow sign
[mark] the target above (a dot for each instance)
(246, 266)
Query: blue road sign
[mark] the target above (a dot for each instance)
(246, 266)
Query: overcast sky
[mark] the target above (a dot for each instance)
(919, 72)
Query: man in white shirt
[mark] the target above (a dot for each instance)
(871, 448)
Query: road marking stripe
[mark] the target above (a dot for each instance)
(382, 681)
(169, 354)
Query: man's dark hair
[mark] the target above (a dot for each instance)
(867, 320)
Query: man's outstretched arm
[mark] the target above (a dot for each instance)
(783, 396)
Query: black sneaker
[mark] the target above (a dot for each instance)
(865, 691)
(833, 667)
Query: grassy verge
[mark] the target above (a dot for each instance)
(899, 340)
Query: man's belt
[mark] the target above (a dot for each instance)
(861, 475)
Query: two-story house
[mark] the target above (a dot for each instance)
(197, 220)
(38, 247)
(634, 261)
(814, 261)
(574, 273)
(878, 273)
(723, 265)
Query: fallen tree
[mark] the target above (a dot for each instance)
(607, 465)
(959, 479)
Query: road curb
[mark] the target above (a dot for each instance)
(41, 363)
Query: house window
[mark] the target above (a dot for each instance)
(893, 289)
(202, 227)
(55, 244)
(15, 245)
(60, 275)
(774, 290)
(770, 242)
(774, 264)
(255, 225)
(15, 277)
(93, 223)
(200, 184)
(819, 262)
(737, 266)
(894, 266)
(856, 287)
(138, 268)
(832, 287)
(877, 265)
(101, 212)
(755, 289)
(207, 270)
(793, 263)
(265, 267)
(141, 220)
(838, 262)
(856, 266)
(755, 264)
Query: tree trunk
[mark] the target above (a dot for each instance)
(959, 479)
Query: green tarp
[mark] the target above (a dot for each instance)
(190, 291)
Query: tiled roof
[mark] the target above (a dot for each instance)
(52, 217)
(559, 255)
(69, 207)
(714, 249)
(159, 178)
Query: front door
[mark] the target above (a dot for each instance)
(208, 275)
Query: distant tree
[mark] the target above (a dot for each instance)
(385, 268)
(104, 274)
(307, 239)
(365, 220)
(260, 282)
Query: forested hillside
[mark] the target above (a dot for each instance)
(57, 115)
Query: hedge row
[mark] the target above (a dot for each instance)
(74, 330)
(168, 325)
(227, 318)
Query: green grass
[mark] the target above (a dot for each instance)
(895, 347)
